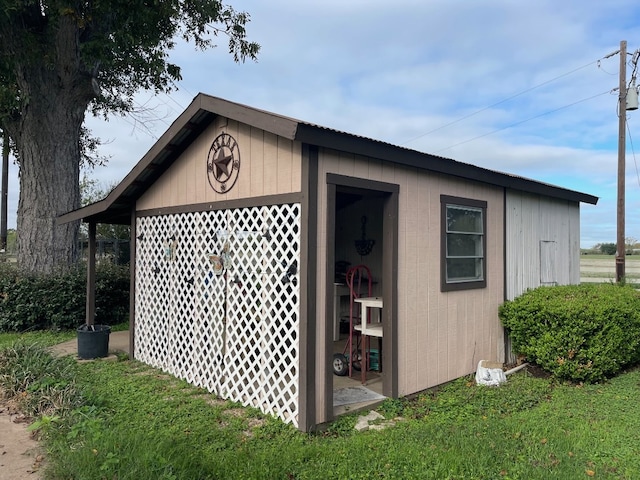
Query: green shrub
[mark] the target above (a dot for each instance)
(112, 293)
(582, 333)
(58, 301)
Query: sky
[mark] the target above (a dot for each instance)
(527, 88)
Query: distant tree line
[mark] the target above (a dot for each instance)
(632, 247)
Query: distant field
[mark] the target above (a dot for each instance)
(602, 268)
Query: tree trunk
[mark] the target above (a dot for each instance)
(49, 178)
(55, 93)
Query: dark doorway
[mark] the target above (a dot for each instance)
(362, 228)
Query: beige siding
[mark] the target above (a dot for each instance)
(269, 165)
(441, 336)
(532, 220)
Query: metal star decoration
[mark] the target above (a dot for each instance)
(221, 164)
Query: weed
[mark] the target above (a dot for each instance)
(342, 426)
(44, 425)
(392, 407)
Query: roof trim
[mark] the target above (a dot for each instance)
(271, 122)
(116, 207)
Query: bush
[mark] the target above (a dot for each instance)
(58, 301)
(582, 333)
(112, 293)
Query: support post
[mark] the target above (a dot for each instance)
(91, 276)
(132, 284)
(622, 112)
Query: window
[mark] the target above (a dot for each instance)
(463, 243)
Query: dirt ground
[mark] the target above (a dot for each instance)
(21, 456)
(601, 269)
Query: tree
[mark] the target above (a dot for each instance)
(62, 58)
(608, 248)
(629, 245)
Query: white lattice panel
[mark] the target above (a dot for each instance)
(152, 336)
(233, 332)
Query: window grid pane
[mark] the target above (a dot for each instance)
(464, 269)
(464, 219)
(464, 244)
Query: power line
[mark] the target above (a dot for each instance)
(182, 87)
(523, 121)
(135, 120)
(633, 152)
(502, 101)
(170, 97)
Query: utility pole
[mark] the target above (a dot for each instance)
(622, 117)
(5, 194)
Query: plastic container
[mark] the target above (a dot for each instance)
(93, 341)
(374, 359)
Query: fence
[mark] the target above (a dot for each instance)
(111, 249)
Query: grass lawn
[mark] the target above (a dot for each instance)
(139, 423)
(599, 256)
(46, 338)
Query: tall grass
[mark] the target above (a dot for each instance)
(40, 384)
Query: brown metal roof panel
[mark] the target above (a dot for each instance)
(334, 139)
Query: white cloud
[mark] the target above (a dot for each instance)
(400, 71)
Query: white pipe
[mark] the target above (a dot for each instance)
(515, 369)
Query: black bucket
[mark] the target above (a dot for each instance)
(93, 341)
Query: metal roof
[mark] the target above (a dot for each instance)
(118, 205)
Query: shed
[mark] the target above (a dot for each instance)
(243, 220)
